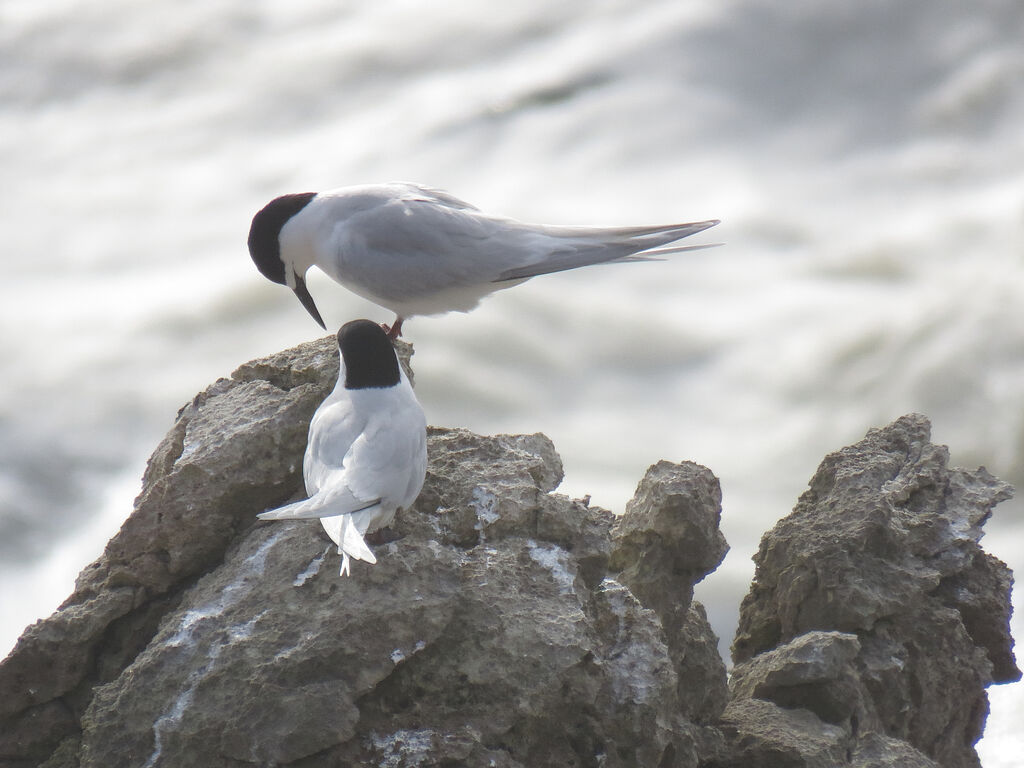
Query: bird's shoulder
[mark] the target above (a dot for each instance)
(393, 196)
(412, 219)
(336, 424)
(349, 413)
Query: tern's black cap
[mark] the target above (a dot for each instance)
(370, 360)
(264, 234)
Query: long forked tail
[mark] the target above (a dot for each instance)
(345, 532)
(572, 247)
(656, 254)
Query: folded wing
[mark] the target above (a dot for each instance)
(329, 502)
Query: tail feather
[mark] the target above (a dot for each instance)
(578, 247)
(659, 235)
(346, 534)
(656, 254)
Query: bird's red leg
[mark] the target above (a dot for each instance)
(395, 330)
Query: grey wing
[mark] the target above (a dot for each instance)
(334, 427)
(389, 458)
(419, 245)
(336, 499)
(421, 242)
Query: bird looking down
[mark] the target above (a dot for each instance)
(366, 456)
(421, 251)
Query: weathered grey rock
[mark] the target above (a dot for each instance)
(668, 539)
(884, 546)
(495, 647)
(764, 735)
(507, 625)
(489, 632)
(665, 543)
(703, 691)
(876, 751)
(815, 671)
(237, 446)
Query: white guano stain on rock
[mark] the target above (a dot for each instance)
(398, 655)
(635, 669)
(403, 748)
(556, 560)
(483, 504)
(187, 637)
(312, 569)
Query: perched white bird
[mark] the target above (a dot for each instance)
(366, 456)
(421, 251)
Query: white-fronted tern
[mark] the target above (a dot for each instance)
(366, 456)
(421, 251)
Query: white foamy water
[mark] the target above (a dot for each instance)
(867, 162)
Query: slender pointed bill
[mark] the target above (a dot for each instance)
(307, 301)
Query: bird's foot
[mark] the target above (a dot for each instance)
(393, 331)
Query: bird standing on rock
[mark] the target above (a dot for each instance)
(421, 251)
(366, 456)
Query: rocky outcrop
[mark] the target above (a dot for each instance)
(464, 644)
(882, 553)
(505, 624)
(232, 449)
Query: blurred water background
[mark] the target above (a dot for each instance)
(867, 161)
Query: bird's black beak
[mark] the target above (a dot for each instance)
(307, 301)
